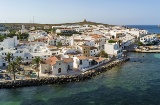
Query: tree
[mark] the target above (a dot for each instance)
(111, 41)
(59, 44)
(103, 54)
(37, 61)
(8, 57)
(2, 37)
(140, 43)
(18, 61)
(12, 67)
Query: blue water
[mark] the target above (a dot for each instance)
(133, 83)
(149, 28)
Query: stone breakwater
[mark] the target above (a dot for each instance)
(63, 79)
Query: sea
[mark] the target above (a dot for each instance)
(136, 82)
(150, 28)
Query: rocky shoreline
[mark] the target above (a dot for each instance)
(63, 79)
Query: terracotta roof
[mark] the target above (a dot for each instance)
(67, 60)
(100, 59)
(51, 47)
(81, 57)
(52, 60)
(96, 36)
(23, 41)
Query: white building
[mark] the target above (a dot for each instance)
(113, 49)
(4, 32)
(56, 65)
(2, 61)
(33, 35)
(148, 39)
(80, 62)
(10, 42)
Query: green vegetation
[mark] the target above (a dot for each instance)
(20, 36)
(14, 65)
(37, 61)
(103, 54)
(59, 44)
(23, 36)
(2, 37)
(69, 33)
(148, 44)
(12, 68)
(140, 44)
(112, 41)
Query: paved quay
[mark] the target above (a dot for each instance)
(63, 78)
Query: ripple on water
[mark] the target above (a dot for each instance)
(132, 83)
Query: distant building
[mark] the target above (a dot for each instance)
(65, 31)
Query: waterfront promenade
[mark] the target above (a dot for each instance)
(64, 78)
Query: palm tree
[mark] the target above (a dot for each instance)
(8, 57)
(18, 60)
(37, 61)
(13, 66)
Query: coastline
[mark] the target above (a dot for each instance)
(63, 79)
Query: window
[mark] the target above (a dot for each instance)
(80, 62)
(59, 63)
(59, 70)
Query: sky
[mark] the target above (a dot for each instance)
(115, 12)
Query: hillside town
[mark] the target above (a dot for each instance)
(63, 49)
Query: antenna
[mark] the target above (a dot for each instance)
(33, 19)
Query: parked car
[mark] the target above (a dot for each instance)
(4, 71)
(1, 71)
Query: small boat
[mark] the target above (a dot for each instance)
(159, 26)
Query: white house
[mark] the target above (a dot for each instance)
(80, 62)
(33, 35)
(94, 51)
(10, 42)
(66, 30)
(113, 49)
(56, 65)
(148, 38)
(2, 61)
(4, 32)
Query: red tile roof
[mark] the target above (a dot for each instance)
(52, 60)
(66, 60)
